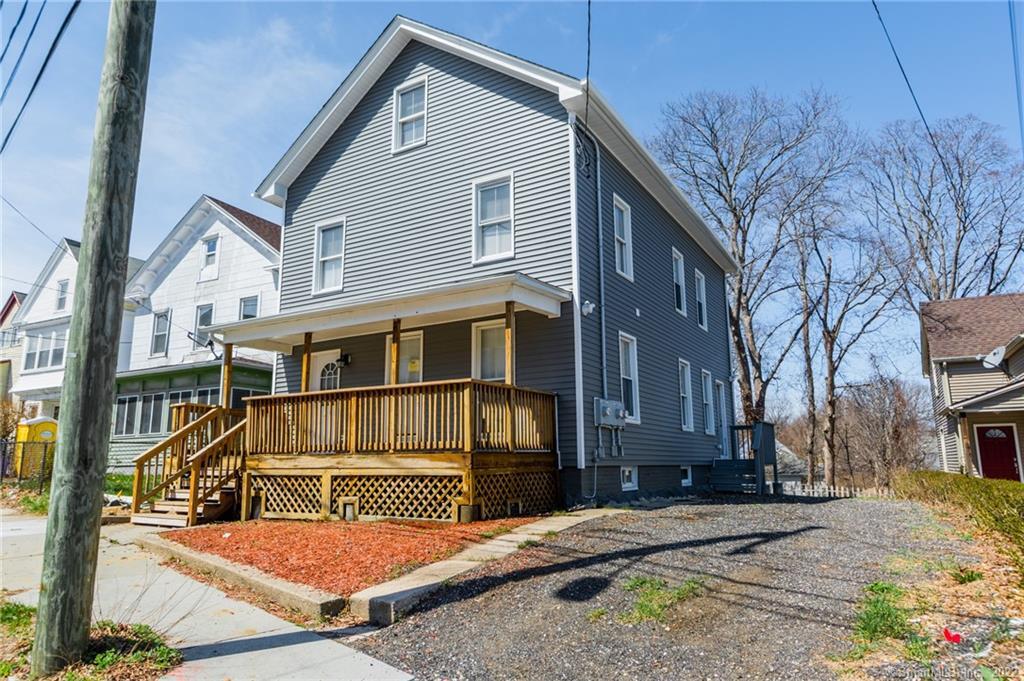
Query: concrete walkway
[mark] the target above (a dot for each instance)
(221, 638)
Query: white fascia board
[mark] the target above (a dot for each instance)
(40, 282)
(141, 285)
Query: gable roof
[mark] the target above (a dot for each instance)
(970, 327)
(11, 305)
(603, 122)
(263, 235)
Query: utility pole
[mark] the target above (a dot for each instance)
(76, 489)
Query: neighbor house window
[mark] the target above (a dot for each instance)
(210, 252)
(493, 237)
(622, 218)
(238, 396)
(44, 349)
(489, 350)
(685, 476)
(679, 281)
(204, 317)
(62, 294)
(124, 414)
(702, 305)
(161, 331)
(208, 395)
(707, 403)
(152, 414)
(629, 377)
(249, 308)
(628, 476)
(330, 250)
(410, 114)
(685, 398)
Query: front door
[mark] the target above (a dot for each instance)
(997, 450)
(325, 370)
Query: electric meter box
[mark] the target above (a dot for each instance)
(609, 413)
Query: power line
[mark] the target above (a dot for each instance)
(34, 225)
(17, 22)
(1016, 70)
(24, 49)
(920, 111)
(42, 70)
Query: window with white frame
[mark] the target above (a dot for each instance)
(124, 414)
(410, 115)
(44, 349)
(62, 294)
(679, 281)
(488, 350)
(707, 398)
(702, 305)
(152, 414)
(249, 307)
(623, 222)
(493, 232)
(210, 252)
(204, 317)
(628, 477)
(330, 253)
(685, 397)
(685, 476)
(208, 395)
(629, 375)
(161, 333)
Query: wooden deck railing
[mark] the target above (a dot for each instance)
(214, 466)
(439, 416)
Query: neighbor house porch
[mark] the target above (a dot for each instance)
(407, 407)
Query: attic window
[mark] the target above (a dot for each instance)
(210, 252)
(410, 115)
(62, 294)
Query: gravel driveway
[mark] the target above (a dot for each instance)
(780, 584)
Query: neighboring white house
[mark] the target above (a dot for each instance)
(42, 322)
(218, 264)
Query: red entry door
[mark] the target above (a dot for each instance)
(997, 447)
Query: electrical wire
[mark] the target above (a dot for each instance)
(1016, 70)
(10, 38)
(42, 69)
(24, 49)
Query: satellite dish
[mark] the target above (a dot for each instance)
(994, 359)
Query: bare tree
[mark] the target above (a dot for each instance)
(952, 222)
(751, 163)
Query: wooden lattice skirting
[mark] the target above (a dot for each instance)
(515, 493)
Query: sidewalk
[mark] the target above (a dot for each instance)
(219, 637)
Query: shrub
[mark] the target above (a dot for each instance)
(995, 505)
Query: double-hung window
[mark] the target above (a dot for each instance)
(708, 405)
(679, 281)
(210, 252)
(702, 304)
(629, 376)
(623, 223)
(62, 294)
(488, 350)
(330, 256)
(152, 414)
(161, 332)
(685, 397)
(204, 317)
(410, 115)
(493, 229)
(124, 414)
(249, 307)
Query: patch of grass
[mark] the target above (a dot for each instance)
(550, 533)
(36, 504)
(16, 619)
(654, 597)
(118, 483)
(528, 543)
(597, 614)
(496, 532)
(919, 648)
(965, 575)
(879, 616)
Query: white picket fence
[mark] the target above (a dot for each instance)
(799, 489)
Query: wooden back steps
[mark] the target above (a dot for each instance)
(753, 449)
(193, 476)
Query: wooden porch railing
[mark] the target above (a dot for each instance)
(439, 416)
(164, 465)
(214, 466)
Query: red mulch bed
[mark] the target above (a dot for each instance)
(336, 556)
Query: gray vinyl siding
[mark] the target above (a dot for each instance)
(409, 214)
(1008, 401)
(544, 361)
(645, 309)
(967, 379)
(945, 424)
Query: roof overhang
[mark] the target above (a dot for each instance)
(438, 305)
(191, 367)
(977, 400)
(605, 124)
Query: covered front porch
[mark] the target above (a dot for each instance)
(402, 407)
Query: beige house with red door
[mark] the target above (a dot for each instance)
(972, 352)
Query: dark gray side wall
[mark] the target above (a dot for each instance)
(409, 215)
(645, 308)
(543, 361)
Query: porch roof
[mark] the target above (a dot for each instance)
(437, 305)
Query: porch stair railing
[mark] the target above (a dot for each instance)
(166, 474)
(752, 447)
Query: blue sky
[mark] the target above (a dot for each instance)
(232, 84)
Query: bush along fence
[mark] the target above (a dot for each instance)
(995, 505)
(26, 463)
(799, 489)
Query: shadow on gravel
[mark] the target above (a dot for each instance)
(585, 588)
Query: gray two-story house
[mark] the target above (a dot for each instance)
(492, 300)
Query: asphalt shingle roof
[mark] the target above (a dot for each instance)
(967, 327)
(263, 228)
